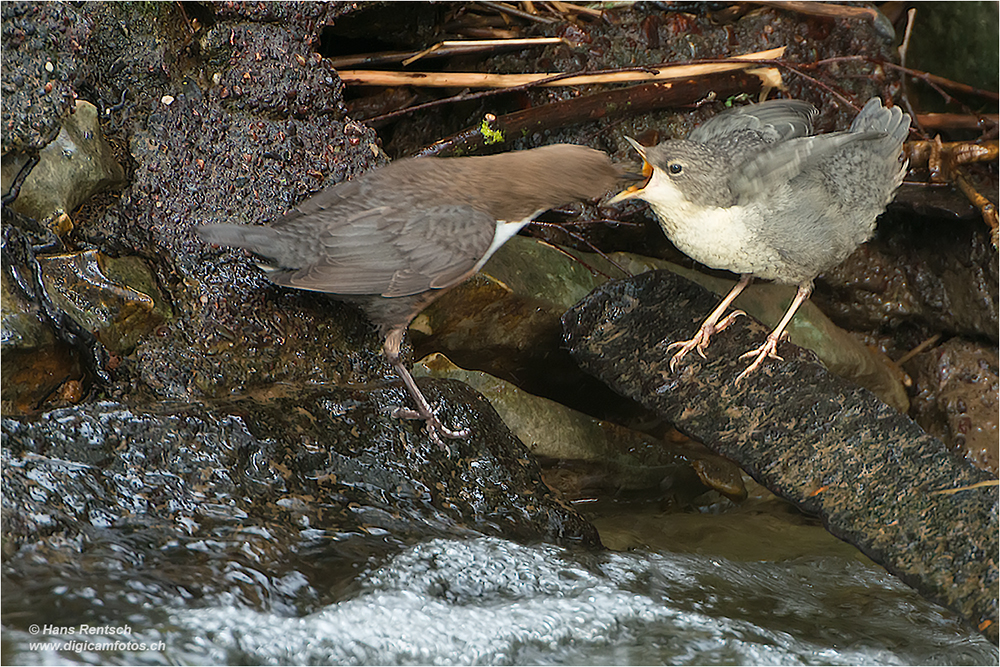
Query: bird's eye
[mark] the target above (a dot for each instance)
(675, 167)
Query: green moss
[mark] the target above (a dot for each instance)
(490, 136)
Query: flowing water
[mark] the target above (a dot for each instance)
(790, 595)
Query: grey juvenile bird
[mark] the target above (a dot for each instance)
(396, 238)
(754, 192)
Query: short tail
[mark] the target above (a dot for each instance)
(254, 238)
(876, 118)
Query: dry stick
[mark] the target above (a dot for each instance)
(822, 9)
(937, 121)
(986, 208)
(903, 49)
(571, 256)
(489, 80)
(451, 47)
(634, 100)
(569, 8)
(926, 343)
(957, 152)
(511, 11)
(465, 97)
(816, 82)
(442, 49)
(950, 156)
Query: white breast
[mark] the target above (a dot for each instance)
(503, 233)
(716, 237)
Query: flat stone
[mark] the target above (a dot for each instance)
(331, 460)
(505, 320)
(613, 458)
(78, 164)
(874, 477)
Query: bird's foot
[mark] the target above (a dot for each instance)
(769, 350)
(701, 339)
(435, 429)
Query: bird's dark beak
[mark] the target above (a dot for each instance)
(647, 173)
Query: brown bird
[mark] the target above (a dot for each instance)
(396, 238)
(753, 191)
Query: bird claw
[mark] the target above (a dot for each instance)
(435, 429)
(686, 346)
(701, 339)
(766, 351)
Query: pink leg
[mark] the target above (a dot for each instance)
(770, 346)
(711, 325)
(434, 427)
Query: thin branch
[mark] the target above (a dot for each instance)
(490, 80)
(442, 49)
(504, 8)
(465, 97)
(938, 121)
(830, 9)
(630, 100)
(926, 343)
(570, 8)
(455, 47)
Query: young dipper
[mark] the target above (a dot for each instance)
(396, 238)
(754, 192)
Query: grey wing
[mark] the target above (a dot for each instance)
(395, 252)
(778, 120)
(337, 196)
(782, 162)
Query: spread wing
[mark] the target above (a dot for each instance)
(777, 120)
(781, 162)
(389, 251)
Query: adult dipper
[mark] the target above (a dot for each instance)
(754, 192)
(396, 238)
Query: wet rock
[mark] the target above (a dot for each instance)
(115, 299)
(174, 496)
(872, 475)
(244, 146)
(505, 321)
(35, 361)
(957, 387)
(936, 274)
(75, 166)
(43, 44)
(610, 457)
(840, 352)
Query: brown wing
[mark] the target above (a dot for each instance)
(392, 252)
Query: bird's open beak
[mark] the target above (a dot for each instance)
(647, 173)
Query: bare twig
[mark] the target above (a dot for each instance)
(570, 8)
(504, 8)
(926, 343)
(915, 73)
(490, 80)
(638, 99)
(455, 47)
(920, 153)
(442, 49)
(987, 208)
(465, 97)
(969, 487)
(938, 121)
(830, 9)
